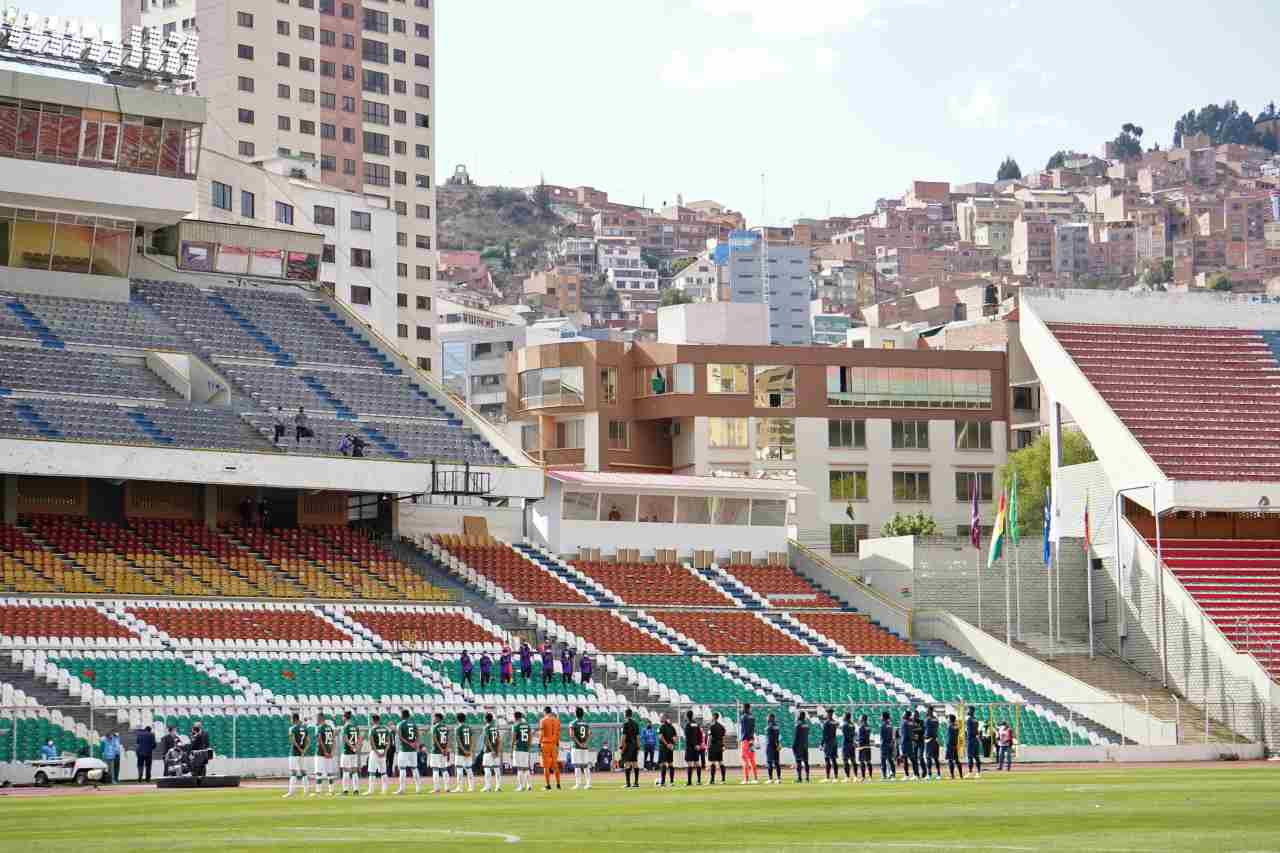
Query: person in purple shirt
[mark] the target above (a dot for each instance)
(584, 666)
(566, 665)
(486, 667)
(504, 665)
(526, 661)
(465, 664)
(548, 664)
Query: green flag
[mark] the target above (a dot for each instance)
(1013, 509)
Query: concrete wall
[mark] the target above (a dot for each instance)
(742, 323)
(812, 565)
(80, 285)
(149, 199)
(417, 520)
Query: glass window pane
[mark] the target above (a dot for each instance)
(768, 513)
(30, 246)
(732, 511)
(571, 386)
(618, 507)
(693, 510)
(657, 509)
(581, 506)
(72, 247)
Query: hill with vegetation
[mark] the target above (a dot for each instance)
(512, 231)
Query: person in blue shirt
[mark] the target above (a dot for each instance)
(973, 743)
(111, 755)
(800, 748)
(649, 741)
(931, 763)
(48, 752)
(953, 747)
(906, 744)
(888, 767)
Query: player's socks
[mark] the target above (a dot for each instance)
(586, 774)
(698, 771)
(577, 777)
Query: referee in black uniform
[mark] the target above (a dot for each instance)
(715, 747)
(692, 749)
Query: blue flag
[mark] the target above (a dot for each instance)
(1047, 516)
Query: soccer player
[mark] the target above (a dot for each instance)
(773, 749)
(299, 740)
(580, 734)
(350, 761)
(692, 749)
(666, 752)
(326, 739)
(549, 739)
(973, 741)
(931, 762)
(918, 760)
(800, 747)
(830, 753)
(521, 740)
(953, 747)
(379, 745)
(407, 751)
(864, 748)
(747, 746)
(462, 757)
(848, 748)
(629, 750)
(491, 743)
(439, 753)
(906, 742)
(715, 747)
(887, 763)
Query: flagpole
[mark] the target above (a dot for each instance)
(1008, 614)
(1057, 573)
(1017, 585)
(1049, 588)
(977, 562)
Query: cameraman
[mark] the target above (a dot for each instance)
(200, 751)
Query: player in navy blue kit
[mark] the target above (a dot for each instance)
(953, 747)
(800, 748)
(830, 748)
(773, 750)
(887, 765)
(864, 749)
(848, 738)
(973, 743)
(906, 744)
(932, 766)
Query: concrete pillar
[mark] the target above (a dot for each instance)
(395, 517)
(210, 506)
(10, 499)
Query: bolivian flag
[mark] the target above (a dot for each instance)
(998, 533)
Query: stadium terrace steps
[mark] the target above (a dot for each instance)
(90, 373)
(28, 325)
(502, 572)
(1237, 585)
(740, 592)
(605, 631)
(1214, 386)
(800, 632)
(17, 676)
(851, 633)
(655, 584)
(731, 632)
(431, 570)
(597, 592)
(779, 586)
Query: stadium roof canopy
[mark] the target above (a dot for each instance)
(1177, 389)
(676, 483)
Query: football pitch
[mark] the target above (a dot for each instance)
(1096, 810)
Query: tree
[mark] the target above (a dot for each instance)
(1128, 145)
(1057, 161)
(919, 524)
(1220, 282)
(1222, 124)
(1008, 170)
(650, 260)
(1156, 271)
(1032, 465)
(674, 296)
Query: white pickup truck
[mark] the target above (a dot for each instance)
(67, 768)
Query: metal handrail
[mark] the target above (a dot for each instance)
(858, 582)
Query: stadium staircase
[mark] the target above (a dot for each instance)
(43, 333)
(801, 633)
(388, 366)
(282, 358)
(740, 592)
(48, 695)
(341, 409)
(595, 592)
(462, 593)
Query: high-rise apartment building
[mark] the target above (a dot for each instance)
(346, 85)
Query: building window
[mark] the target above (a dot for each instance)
(422, 182)
(323, 215)
(244, 51)
(619, 436)
(245, 116)
(424, 363)
(397, 25)
(422, 241)
(609, 386)
(400, 147)
(424, 333)
(360, 295)
(910, 435)
(551, 386)
(911, 486)
(402, 300)
(422, 60)
(244, 84)
(423, 303)
(964, 486)
(284, 213)
(245, 148)
(328, 38)
(373, 51)
(306, 33)
(775, 387)
(328, 253)
(328, 131)
(848, 485)
(421, 120)
(846, 434)
(570, 435)
(246, 204)
(402, 330)
(727, 433)
(307, 96)
(422, 272)
(375, 112)
(422, 152)
(374, 81)
(361, 220)
(422, 31)
(727, 379)
(328, 68)
(362, 258)
(283, 122)
(402, 178)
(282, 28)
(282, 59)
(377, 174)
(422, 211)
(529, 437)
(377, 143)
(244, 19)
(400, 116)
(283, 91)
(402, 270)
(909, 387)
(973, 435)
(776, 439)
(845, 537)
(422, 90)
(348, 165)
(220, 196)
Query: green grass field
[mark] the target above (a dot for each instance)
(1104, 810)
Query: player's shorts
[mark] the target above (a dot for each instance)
(407, 759)
(864, 754)
(437, 761)
(550, 757)
(520, 760)
(349, 761)
(829, 751)
(462, 762)
(583, 758)
(693, 756)
(323, 766)
(715, 754)
(666, 756)
(747, 747)
(295, 764)
(491, 759)
(630, 754)
(377, 764)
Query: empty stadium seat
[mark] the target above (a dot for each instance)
(26, 620)
(780, 586)
(274, 624)
(604, 630)
(730, 632)
(522, 579)
(855, 633)
(654, 583)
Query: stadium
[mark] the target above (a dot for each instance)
(238, 514)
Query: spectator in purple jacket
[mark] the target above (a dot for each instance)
(584, 667)
(466, 666)
(566, 665)
(486, 667)
(504, 665)
(548, 664)
(526, 661)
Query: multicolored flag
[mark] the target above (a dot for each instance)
(1088, 538)
(997, 534)
(975, 520)
(1048, 521)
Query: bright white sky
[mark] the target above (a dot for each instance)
(837, 101)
